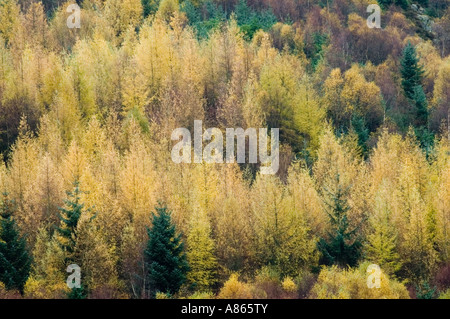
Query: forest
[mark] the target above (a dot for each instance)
(87, 179)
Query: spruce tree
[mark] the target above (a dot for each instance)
(77, 293)
(411, 71)
(15, 260)
(421, 106)
(69, 216)
(342, 247)
(164, 256)
(412, 87)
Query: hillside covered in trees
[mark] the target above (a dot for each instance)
(86, 175)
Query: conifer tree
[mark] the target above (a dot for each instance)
(15, 260)
(69, 221)
(411, 70)
(200, 254)
(412, 74)
(342, 247)
(382, 240)
(164, 255)
(421, 106)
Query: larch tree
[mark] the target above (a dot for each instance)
(381, 244)
(282, 238)
(121, 14)
(47, 278)
(9, 19)
(416, 248)
(200, 254)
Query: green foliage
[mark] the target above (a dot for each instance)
(15, 260)
(251, 21)
(411, 71)
(425, 291)
(342, 247)
(386, 3)
(77, 293)
(361, 130)
(164, 254)
(192, 13)
(149, 7)
(421, 106)
(204, 19)
(315, 51)
(70, 216)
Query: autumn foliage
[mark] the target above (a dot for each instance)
(86, 117)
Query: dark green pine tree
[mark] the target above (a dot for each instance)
(386, 3)
(421, 107)
(342, 247)
(359, 125)
(70, 215)
(164, 256)
(149, 7)
(15, 261)
(77, 293)
(411, 71)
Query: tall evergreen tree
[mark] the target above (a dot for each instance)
(70, 215)
(164, 255)
(386, 3)
(412, 74)
(342, 247)
(149, 7)
(15, 260)
(421, 106)
(411, 71)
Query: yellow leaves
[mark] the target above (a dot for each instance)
(309, 116)
(138, 183)
(333, 84)
(3, 177)
(333, 160)
(305, 200)
(22, 166)
(39, 289)
(289, 285)
(356, 23)
(121, 14)
(235, 289)
(9, 19)
(97, 258)
(335, 283)
(359, 94)
(441, 95)
(200, 253)
(75, 164)
(167, 8)
(400, 165)
(282, 235)
(35, 24)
